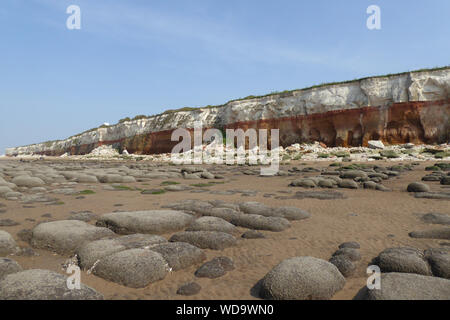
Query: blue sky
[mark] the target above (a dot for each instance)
(143, 57)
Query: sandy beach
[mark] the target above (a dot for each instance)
(376, 220)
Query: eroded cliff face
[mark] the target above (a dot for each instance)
(410, 107)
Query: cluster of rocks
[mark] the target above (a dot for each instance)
(346, 257)
(351, 177)
(407, 274)
(317, 151)
(435, 233)
(251, 215)
(38, 181)
(431, 262)
(411, 274)
(126, 247)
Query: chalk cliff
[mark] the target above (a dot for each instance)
(408, 107)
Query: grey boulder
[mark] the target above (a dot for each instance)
(442, 233)
(134, 268)
(152, 221)
(302, 278)
(37, 284)
(7, 244)
(91, 252)
(418, 187)
(179, 255)
(407, 286)
(404, 260)
(65, 236)
(27, 181)
(257, 222)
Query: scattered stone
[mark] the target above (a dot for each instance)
(304, 183)
(436, 218)
(153, 191)
(375, 144)
(432, 195)
(349, 253)
(8, 266)
(215, 268)
(348, 184)
(8, 223)
(292, 213)
(353, 174)
(321, 195)
(177, 188)
(445, 181)
(205, 239)
(179, 255)
(27, 252)
(418, 187)
(189, 289)
(443, 233)
(345, 265)
(252, 234)
(351, 244)
(25, 235)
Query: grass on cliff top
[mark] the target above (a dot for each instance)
(250, 97)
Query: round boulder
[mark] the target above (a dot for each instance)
(418, 187)
(189, 289)
(152, 221)
(134, 268)
(302, 278)
(65, 236)
(406, 260)
(37, 284)
(27, 181)
(292, 213)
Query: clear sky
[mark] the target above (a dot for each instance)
(143, 56)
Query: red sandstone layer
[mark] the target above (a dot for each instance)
(413, 122)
